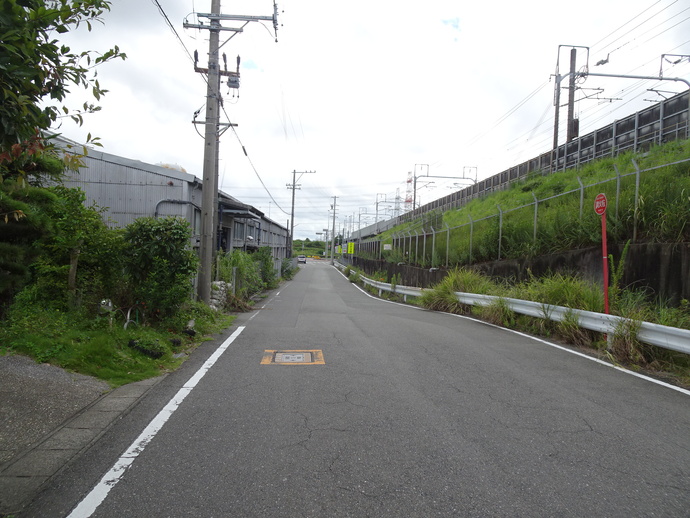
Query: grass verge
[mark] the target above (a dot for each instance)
(102, 348)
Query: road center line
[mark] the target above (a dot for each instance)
(98, 494)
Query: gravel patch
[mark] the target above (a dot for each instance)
(37, 398)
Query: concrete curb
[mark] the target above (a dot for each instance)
(23, 477)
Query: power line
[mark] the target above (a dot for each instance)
(630, 21)
(172, 28)
(254, 168)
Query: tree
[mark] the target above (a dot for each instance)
(36, 73)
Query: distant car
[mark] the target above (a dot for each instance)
(302, 259)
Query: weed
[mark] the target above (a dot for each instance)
(353, 277)
(497, 313)
(569, 328)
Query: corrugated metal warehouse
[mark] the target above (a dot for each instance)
(129, 189)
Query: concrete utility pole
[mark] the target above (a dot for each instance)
(294, 186)
(209, 196)
(571, 133)
(333, 231)
(209, 193)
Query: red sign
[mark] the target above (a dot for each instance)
(600, 204)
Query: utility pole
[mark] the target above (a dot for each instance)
(557, 95)
(209, 192)
(333, 232)
(414, 192)
(571, 133)
(294, 186)
(209, 195)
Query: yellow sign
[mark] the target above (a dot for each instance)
(351, 247)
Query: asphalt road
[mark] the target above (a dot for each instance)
(412, 414)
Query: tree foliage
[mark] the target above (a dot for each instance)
(37, 72)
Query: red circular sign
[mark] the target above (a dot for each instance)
(600, 204)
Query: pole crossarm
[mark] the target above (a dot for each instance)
(654, 78)
(234, 17)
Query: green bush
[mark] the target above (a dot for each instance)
(159, 264)
(247, 275)
(287, 269)
(264, 257)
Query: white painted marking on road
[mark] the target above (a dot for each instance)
(265, 304)
(550, 344)
(98, 494)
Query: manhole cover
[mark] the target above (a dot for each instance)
(293, 357)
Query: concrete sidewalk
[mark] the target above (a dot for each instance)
(48, 417)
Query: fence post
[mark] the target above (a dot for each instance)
(433, 247)
(536, 213)
(416, 247)
(447, 243)
(500, 230)
(471, 234)
(582, 195)
(424, 246)
(409, 248)
(637, 201)
(618, 187)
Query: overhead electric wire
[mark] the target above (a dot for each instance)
(170, 25)
(639, 25)
(254, 167)
(172, 28)
(507, 114)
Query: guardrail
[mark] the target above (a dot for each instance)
(666, 337)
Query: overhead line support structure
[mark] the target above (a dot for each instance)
(294, 186)
(209, 196)
(573, 75)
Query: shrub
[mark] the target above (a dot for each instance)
(247, 277)
(159, 264)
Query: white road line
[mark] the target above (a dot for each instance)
(95, 498)
(546, 342)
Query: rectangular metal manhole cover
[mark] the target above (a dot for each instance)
(293, 357)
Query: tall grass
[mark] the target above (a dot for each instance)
(662, 215)
(568, 291)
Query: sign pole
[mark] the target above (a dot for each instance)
(600, 203)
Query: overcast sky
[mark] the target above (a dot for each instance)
(365, 92)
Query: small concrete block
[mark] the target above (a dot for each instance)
(70, 439)
(132, 390)
(15, 490)
(94, 419)
(39, 463)
(113, 404)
